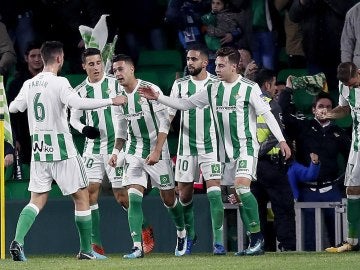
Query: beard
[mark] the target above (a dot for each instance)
(195, 71)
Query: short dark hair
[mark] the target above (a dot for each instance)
(232, 53)
(346, 71)
(31, 46)
(322, 95)
(89, 52)
(264, 75)
(122, 57)
(199, 48)
(49, 50)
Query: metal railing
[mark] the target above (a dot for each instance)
(340, 223)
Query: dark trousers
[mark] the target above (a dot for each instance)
(307, 195)
(272, 185)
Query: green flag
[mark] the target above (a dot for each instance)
(4, 114)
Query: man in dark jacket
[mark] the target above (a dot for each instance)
(325, 139)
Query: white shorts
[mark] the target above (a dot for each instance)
(352, 174)
(97, 168)
(69, 174)
(241, 167)
(136, 172)
(187, 168)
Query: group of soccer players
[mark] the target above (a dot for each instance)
(127, 143)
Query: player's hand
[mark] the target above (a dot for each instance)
(119, 100)
(91, 132)
(8, 160)
(153, 158)
(148, 93)
(322, 114)
(285, 150)
(113, 160)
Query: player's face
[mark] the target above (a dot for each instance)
(33, 60)
(224, 69)
(94, 68)
(354, 82)
(124, 72)
(195, 62)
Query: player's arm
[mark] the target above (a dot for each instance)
(89, 131)
(276, 131)
(164, 125)
(200, 99)
(19, 104)
(121, 135)
(338, 112)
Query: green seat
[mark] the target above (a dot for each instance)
(75, 79)
(148, 75)
(160, 59)
(285, 73)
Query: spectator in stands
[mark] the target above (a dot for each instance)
(272, 182)
(221, 28)
(185, 17)
(247, 66)
(349, 76)
(350, 37)
(7, 53)
(20, 126)
(266, 25)
(325, 139)
(321, 23)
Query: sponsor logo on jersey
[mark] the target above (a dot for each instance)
(225, 109)
(42, 147)
(134, 116)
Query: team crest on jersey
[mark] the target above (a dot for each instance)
(263, 97)
(237, 96)
(119, 171)
(141, 101)
(215, 170)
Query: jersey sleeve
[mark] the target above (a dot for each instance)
(175, 94)
(257, 100)
(19, 103)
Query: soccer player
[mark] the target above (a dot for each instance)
(197, 149)
(144, 125)
(100, 139)
(235, 102)
(54, 156)
(349, 90)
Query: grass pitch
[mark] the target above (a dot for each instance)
(290, 260)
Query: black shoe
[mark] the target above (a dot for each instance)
(17, 251)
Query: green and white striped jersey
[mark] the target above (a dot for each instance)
(197, 134)
(351, 97)
(103, 118)
(143, 119)
(235, 106)
(46, 97)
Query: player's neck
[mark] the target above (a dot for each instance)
(51, 69)
(130, 87)
(200, 77)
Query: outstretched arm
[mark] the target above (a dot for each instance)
(199, 99)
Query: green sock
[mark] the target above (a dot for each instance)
(177, 215)
(83, 224)
(135, 215)
(188, 210)
(251, 211)
(217, 214)
(244, 217)
(26, 220)
(353, 217)
(95, 231)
